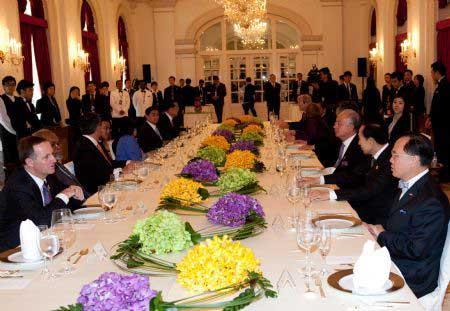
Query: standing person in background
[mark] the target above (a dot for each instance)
(418, 101)
(200, 91)
(217, 95)
(158, 100)
(102, 104)
(142, 99)
(299, 87)
(88, 99)
(249, 97)
(387, 94)
(328, 89)
(182, 83)
(399, 89)
(188, 93)
(272, 91)
(129, 88)
(172, 92)
(409, 85)
(371, 103)
(120, 104)
(48, 107)
(74, 106)
(347, 90)
(25, 115)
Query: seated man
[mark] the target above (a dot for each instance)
(416, 227)
(352, 165)
(168, 122)
(372, 198)
(149, 135)
(33, 191)
(93, 165)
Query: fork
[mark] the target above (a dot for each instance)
(318, 282)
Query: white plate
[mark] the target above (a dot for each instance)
(335, 223)
(89, 213)
(347, 283)
(310, 172)
(18, 258)
(301, 156)
(321, 188)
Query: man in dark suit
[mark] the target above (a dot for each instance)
(387, 94)
(409, 87)
(438, 119)
(93, 166)
(101, 105)
(417, 224)
(149, 136)
(372, 198)
(88, 99)
(399, 89)
(188, 93)
(168, 122)
(200, 91)
(129, 88)
(33, 192)
(328, 89)
(299, 87)
(217, 93)
(26, 119)
(172, 93)
(158, 100)
(352, 164)
(272, 91)
(347, 90)
(48, 107)
(249, 97)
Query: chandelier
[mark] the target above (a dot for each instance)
(253, 35)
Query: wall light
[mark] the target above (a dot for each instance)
(407, 50)
(81, 59)
(120, 64)
(10, 49)
(375, 55)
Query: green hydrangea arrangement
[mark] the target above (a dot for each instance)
(213, 154)
(253, 136)
(238, 180)
(226, 127)
(162, 232)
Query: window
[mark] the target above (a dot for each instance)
(237, 78)
(287, 76)
(287, 37)
(261, 71)
(211, 39)
(211, 67)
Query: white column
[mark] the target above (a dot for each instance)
(332, 35)
(385, 38)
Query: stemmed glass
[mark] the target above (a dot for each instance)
(324, 246)
(109, 199)
(306, 199)
(307, 238)
(293, 196)
(66, 233)
(49, 247)
(281, 165)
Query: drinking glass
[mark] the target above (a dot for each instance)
(324, 246)
(307, 238)
(62, 215)
(305, 197)
(66, 233)
(281, 165)
(293, 196)
(143, 171)
(109, 199)
(49, 247)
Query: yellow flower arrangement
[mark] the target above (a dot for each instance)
(240, 159)
(253, 128)
(246, 118)
(216, 141)
(183, 189)
(230, 122)
(215, 264)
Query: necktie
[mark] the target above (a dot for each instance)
(341, 155)
(46, 193)
(404, 186)
(372, 162)
(158, 133)
(100, 149)
(172, 93)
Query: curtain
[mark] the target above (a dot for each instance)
(373, 24)
(442, 3)
(25, 34)
(42, 55)
(123, 45)
(443, 42)
(37, 8)
(402, 12)
(87, 16)
(399, 65)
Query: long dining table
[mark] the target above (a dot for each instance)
(276, 248)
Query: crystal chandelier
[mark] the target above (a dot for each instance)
(253, 35)
(243, 12)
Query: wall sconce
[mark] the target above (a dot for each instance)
(375, 55)
(407, 50)
(81, 59)
(10, 49)
(120, 64)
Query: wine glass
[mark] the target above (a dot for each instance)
(62, 215)
(109, 197)
(293, 196)
(49, 247)
(66, 233)
(324, 246)
(281, 165)
(306, 199)
(307, 238)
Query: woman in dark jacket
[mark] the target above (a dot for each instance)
(399, 124)
(419, 110)
(73, 104)
(371, 103)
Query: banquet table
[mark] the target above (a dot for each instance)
(276, 248)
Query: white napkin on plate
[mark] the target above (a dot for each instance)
(371, 271)
(29, 240)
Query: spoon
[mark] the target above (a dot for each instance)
(82, 253)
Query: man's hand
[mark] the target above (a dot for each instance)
(428, 124)
(78, 193)
(374, 230)
(319, 195)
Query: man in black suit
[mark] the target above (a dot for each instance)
(48, 107)
(387, 94)
(33, 192)
(438, 119)
(299, 87)
(409, 87)
(249, 97)
(399, 89)
(217, 93)
(352, 164)
(102, 106)
(88, 99)
(372, 198)
(347, 90)
(417, 224)
(149, 136)
(200, 91)
(188, 93)
(168, 122)
(172, 92)
(272, 91)
(129, 88)
(93, 165)
(26, 119)
(328, 89)
(158, 100)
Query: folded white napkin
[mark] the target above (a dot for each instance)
(371, 271)
(29, 240)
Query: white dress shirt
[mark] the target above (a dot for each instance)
(40, 183)
(331, 170)
(119, 101)
(5, 121)
(155, 128)
(141, 101)
(412, 181)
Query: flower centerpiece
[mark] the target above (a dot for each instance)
(244, 145)
(214, 154)
(200, 170)
(253, 128)
(231, 122)
(216, 141)
(239, 180)
(226, 127)
(253, 136)
(183, 192)
(229, 135)
(243, 159)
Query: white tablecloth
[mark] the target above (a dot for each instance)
(277, 250)
(190, 118)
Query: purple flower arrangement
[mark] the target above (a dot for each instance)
(201, 170)
(234, 209)
(244, 145)
(115, 292)
(229, 135)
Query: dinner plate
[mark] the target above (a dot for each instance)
(311, 172)
(301, 156)
(343, 281)
(89, 213)
(18, 258)
(336, 221)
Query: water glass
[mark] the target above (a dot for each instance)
(66, 234)
(63, 215)
(293, 196)
(324, 245)
(49, 247)
(281, 165)
(307, 238)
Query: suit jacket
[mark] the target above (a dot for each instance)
(49, 110)
(249, 94)
(418, 98)
(343, 93)
(131, 110)
(415, 234)
(329, 92)
(304, 89)
(313, 130)
(440, 108)
(402, 127)
(148, 139)
(272, 94)
(88, 103)
(102, 106)
(188, 95)
(91, 167)
(387, 97)
(168, 130)
(158, 100)
(24, 201)
(352, 169)
(74, 106)
(221, 91)
(403, 92)
(66, 178)
(373, 198)
(174, 90)
(201, 92)
(21, 115)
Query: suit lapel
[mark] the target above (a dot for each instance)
(409, 195)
